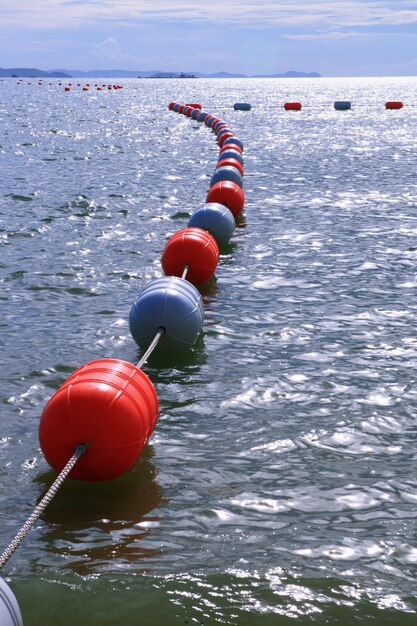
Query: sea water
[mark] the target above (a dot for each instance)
(279, 485)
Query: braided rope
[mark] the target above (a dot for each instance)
(80, 449)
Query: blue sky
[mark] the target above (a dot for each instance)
(335, 38)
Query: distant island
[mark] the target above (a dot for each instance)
(24, 72)
(170, 75)
(28, 72)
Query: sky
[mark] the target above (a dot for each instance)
(332, 37)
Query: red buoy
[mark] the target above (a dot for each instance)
(220, 126)
(223, 137)
(187, 110)
(292, 106)
(181, 108)
(110, 404)
(231, 146)
(67, 88)
(171, 105)
(228, 193)
(193, 105)
(394, 104)
(192, 247)
(231, 162)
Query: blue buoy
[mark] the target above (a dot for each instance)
(216, 219)
(231, 154)
(170, 303)
(201, 116)
(217, 124)
(342, 105)
(226, 129)
(242, 106)
(234, 140)
(209, 121)
(226, 172)
(176, 107)
(10, 614)
(195, 113)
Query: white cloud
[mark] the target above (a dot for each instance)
(50, 14)
(110, 50)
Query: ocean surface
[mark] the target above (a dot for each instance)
(279, 486)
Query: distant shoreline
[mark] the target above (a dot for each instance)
(25, 72)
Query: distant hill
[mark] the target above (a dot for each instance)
(28, 72)
(290, 75)
(63, 73)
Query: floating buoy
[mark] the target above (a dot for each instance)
(226, 172)
(171, 106)
(180, 108)
(109, 404)
(231, 153)
(292, 106)
(233, 162)
(224, 129)
(218, 125)
(213, 122)
(208, 120)
(187, 111)
(242, 106)
(194, 105)
(217, 219)
(228, 193)
(394, 104)
(342, 105)
(67, 88)
(195, 113)
(170, 303)
(193, 248)
(10, 614)
(222, 138)
(176, 107)
(235, 141)
(201, 116)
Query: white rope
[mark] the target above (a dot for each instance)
(80, 449)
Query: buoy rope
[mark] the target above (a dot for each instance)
(185, 271)
(80, 449)
(151, 347)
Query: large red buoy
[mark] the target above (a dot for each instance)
(228, 193)
(193, 105)
(109, 404)
(292, 106)
(394, 104)
(192, 247)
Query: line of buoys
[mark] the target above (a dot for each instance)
(98, 88)
(191, 255)
(83, 409)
